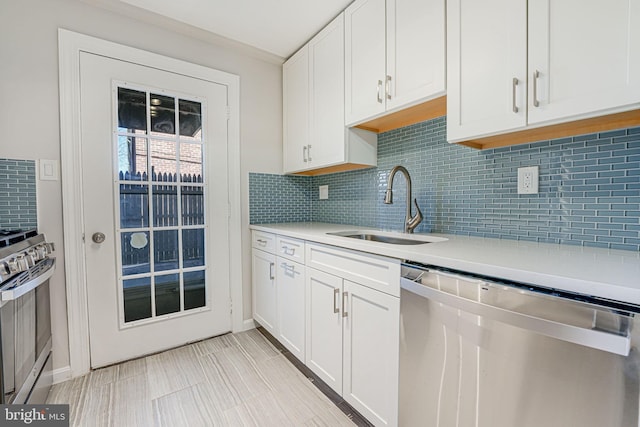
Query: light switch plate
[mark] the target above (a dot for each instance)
(49, 170)
(528, 180)
(324, 192)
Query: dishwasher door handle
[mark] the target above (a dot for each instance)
(612, 343)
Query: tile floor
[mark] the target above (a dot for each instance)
(232, 380)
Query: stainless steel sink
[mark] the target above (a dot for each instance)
(389, 237)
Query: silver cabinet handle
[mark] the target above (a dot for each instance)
(536, 75)
(98, 237)
(309, 152)
(288, 251)
(271, 275)
(379, 90)
(336, 292)
(515, 84)
(289, 269)
(261, 242)
(304, 153)
(345, 295)
(388, 87)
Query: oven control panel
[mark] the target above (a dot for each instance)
(23, 255)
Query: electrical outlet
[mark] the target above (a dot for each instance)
(324, 192)
(528, 180)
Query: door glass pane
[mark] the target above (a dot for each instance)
(165, 205)
(132, 158)
(137, 299)
(193, 247)
(192, 205)
(132, 110)
(190, 119)
(165, 248)
(167, 294)
(194, 290)
(163, 114)
(135, 253)
(164, 164)
(161, 190)
(191, 162)
(134, 206)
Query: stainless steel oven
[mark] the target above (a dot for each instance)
(25, 319)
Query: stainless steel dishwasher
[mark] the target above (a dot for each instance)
(482, 352)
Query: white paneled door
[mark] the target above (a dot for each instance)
(155, 202)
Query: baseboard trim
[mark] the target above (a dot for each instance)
(248, 324)
(61, 375)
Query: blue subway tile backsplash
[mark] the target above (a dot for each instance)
(279, 198)
(589, 189)
(17, 194)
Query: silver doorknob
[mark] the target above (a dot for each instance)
(98, 237)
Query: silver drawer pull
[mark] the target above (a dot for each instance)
(536, 75)
(345, 295)
(388, 87)
(515, 84)
(288, 251)
(261, 242)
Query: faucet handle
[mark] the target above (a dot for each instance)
(416, 219)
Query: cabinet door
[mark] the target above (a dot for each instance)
(586, 54)
(326, 81)
(364, 59)
(415, 51)
(264, 290)
(291, 306)
(324, 327)
(372, 327)
(295, 86)
(486, 67)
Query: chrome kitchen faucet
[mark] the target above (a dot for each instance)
(411, 222)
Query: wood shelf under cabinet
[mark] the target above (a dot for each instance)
(561, 130)
(418, 113)
(438, 108)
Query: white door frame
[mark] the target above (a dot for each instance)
(70, 44)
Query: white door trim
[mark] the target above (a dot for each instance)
(70, 44)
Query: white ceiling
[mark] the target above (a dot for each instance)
(279, 27)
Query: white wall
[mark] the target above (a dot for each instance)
(29, 113)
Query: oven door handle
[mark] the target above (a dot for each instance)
(19, 290)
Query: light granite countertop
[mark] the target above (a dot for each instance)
(604, 273)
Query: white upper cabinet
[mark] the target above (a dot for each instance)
(295, 87)
(365, 59)
(416, 51)
(394, 55)
(486, 67)
(315, 136)
(513, 64)
(586, 55)
(326, 83)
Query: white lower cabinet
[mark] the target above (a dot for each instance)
(291, 306)
(371, 336)
(353, 329)
(264, 289)
(338, 311)
(324, 327)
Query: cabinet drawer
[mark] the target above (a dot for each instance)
(373, 271)
(292, 249)
(263, 241)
